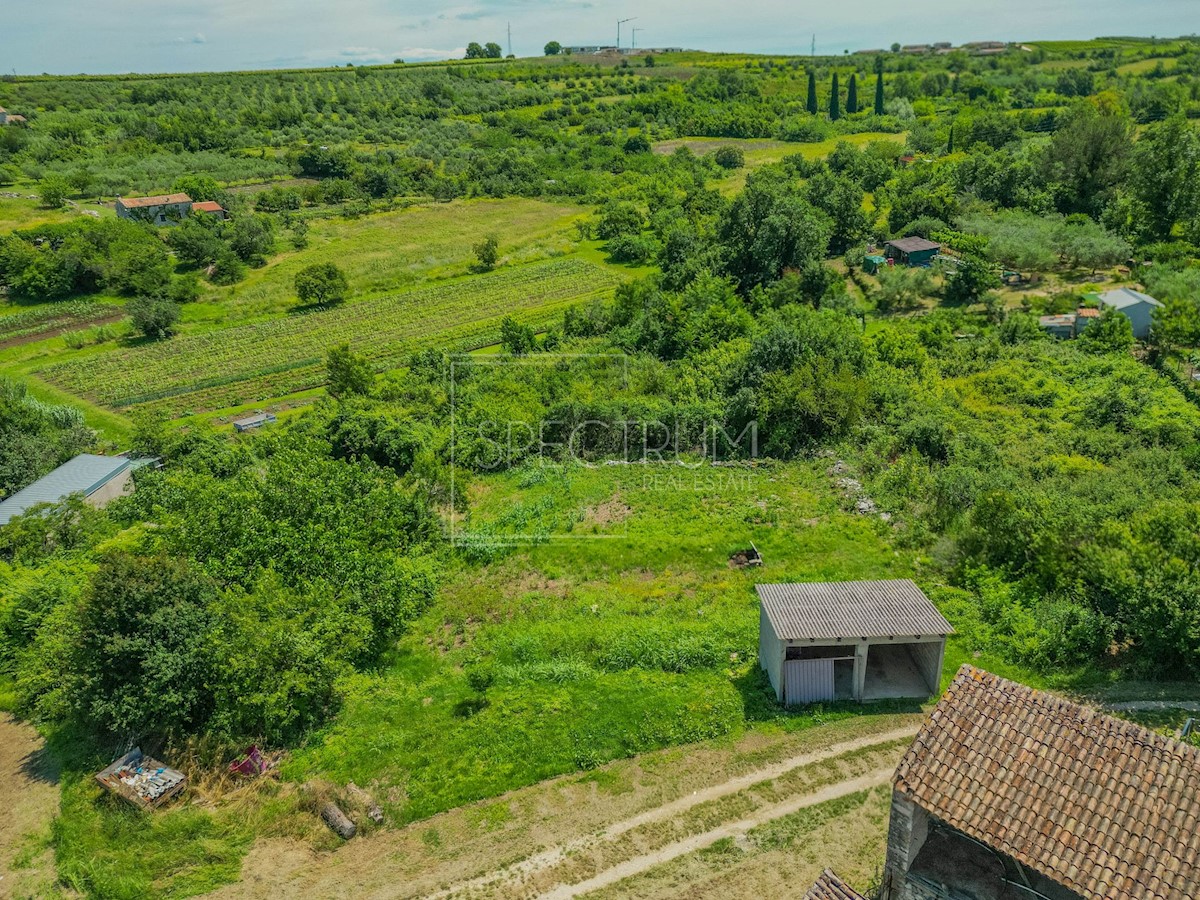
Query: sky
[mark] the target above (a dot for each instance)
(106, 36)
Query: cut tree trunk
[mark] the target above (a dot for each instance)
(338, 821)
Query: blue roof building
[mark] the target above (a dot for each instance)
(1137, 307)
(99, 478)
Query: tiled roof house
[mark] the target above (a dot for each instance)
(1009, 791)
(830, 887)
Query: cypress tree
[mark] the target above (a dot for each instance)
(879, 86)
(852, 95)
(835, 110)
(950, 143)
(812, 92)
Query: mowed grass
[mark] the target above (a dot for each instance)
(26, 211)
(276, 357)
(759, 153)
(392, 250)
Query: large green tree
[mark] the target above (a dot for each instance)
(770, 227)
(1088, 158)
(1165, 178)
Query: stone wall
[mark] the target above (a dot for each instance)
(908, 826)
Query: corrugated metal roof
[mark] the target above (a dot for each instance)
(1125, 297)
(1097, 804)
(850, 609)
(913, 244)
(84, 474)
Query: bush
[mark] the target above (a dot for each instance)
(633, 248)
(487, 252)
(323, 284)
(730, 157)
(155, 317)
(54, 191)
(638, 143)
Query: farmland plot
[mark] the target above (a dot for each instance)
(49, 318)
(237, 365)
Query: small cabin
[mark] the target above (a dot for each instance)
(851, 640)
(1137, 307)
(99, 479)
(212, 208)
(912, 251)
(250, 423)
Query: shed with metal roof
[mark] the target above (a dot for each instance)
(860, 640)
(912, 250)
(99, 479)
(1137, 307)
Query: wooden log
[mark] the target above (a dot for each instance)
(338, 821)
(374, 813)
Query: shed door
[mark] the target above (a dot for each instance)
(807, 681)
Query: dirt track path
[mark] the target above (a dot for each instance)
(673, 809)
(589, 828)
(29, 801)
(696, 842)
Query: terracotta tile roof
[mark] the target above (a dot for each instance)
(1087, 312)
(208, 206)
(849, 609)
(830, 887)
(163, 200)
(1101, 806)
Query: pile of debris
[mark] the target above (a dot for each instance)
(852, 488)
(142, 780)
(742, 559)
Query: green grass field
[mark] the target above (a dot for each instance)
(276, 357)
(620, 629)
(759, 153)
(388, 251)
(244, 346)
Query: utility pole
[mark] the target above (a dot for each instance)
(635, 31)
(510, 53)
(621, 22)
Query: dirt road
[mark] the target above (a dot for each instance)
(587, 831)
(29, 800)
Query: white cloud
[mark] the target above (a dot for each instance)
(424, 54)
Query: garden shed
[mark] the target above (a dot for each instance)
(100, 479)
(851, 640)
(912, 251)
(1137, 307)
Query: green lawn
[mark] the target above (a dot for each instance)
(761, 152)
(387, 251)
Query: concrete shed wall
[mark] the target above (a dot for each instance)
(1140, 317)
(115, 487)
(928, 657)
(770, 655)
